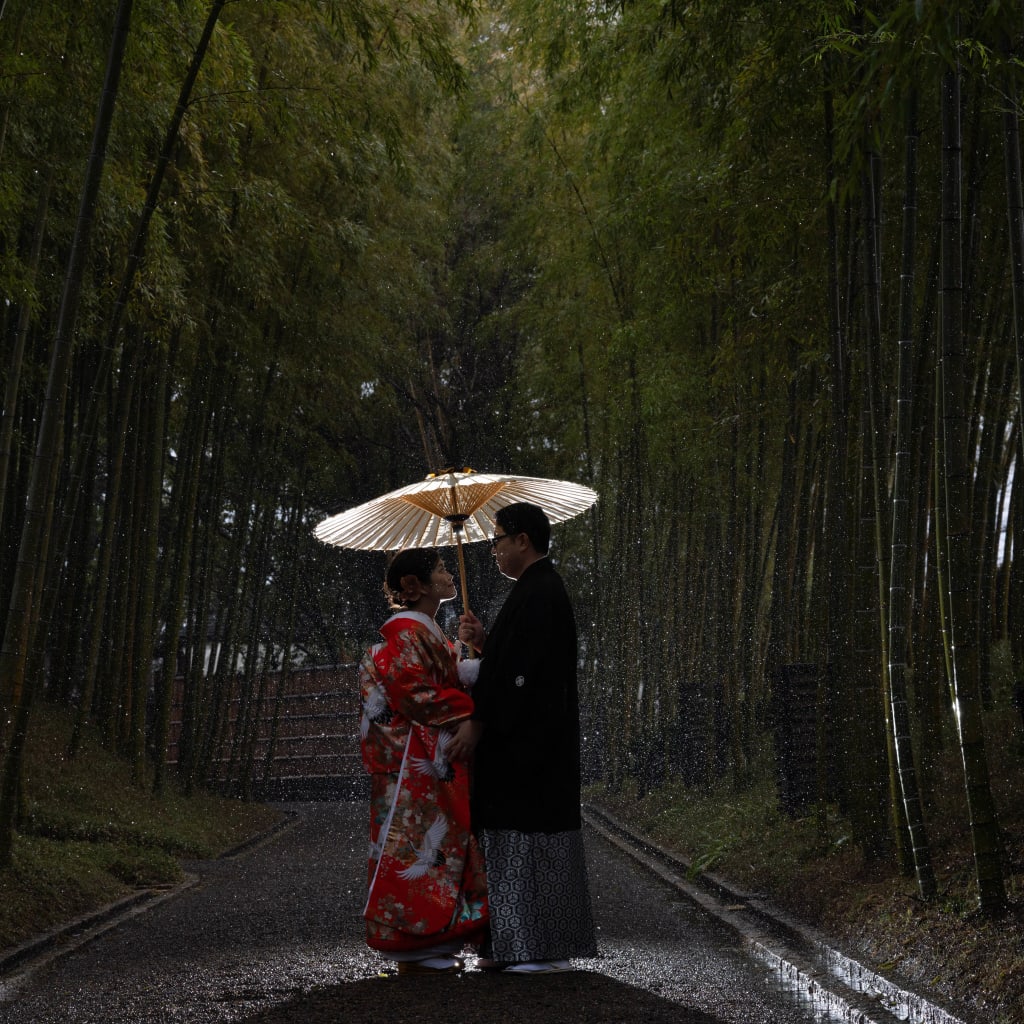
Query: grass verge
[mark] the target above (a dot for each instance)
(89, 834)
(811, 868)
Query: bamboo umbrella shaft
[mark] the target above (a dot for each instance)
(458, 523)
(462, 570)
(462, 577)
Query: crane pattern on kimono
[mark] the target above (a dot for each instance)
(429, 855)
(438, 767)
(376, 710)
(376, 849)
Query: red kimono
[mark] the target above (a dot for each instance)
(426, 874)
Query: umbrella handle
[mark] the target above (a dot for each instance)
(462, 579)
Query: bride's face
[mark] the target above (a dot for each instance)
(442, 583)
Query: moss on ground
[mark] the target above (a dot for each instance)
(88, 834)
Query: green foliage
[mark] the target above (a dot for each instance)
(90, 834)
(736, 832)
(618, 243)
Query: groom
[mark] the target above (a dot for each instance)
(525, 736)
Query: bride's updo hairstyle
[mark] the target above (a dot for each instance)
(412, 562)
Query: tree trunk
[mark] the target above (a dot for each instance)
(835, 530)
(297, 517)
(877, 431)
(1015, 214)
(956, 477)
(870, 809)
(125, 635)
(186, 496)
(198, 679)
(920, 850)
(105, 559)
(14, 364)
(18, 633)
(151, 479)
(136, 253)
(926, 622)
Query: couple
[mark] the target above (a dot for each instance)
(497, 865)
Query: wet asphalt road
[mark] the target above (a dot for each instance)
(274, 936)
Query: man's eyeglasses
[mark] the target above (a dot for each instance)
(498, 537)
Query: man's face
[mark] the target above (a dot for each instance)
(509, 550)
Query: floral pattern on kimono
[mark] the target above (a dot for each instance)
(426, 873)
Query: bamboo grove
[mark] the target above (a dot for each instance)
(755, 271)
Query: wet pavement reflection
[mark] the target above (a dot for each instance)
(274, 935)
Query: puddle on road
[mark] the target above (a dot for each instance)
(816, 1002)
(868, 988)
(900, 1003)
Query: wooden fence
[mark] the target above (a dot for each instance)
(305, 738)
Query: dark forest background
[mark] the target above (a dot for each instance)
(752, 270)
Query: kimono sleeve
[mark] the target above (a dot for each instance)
(421, 681)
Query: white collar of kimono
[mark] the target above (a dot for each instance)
(425, 619)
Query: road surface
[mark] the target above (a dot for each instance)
(273, 935)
